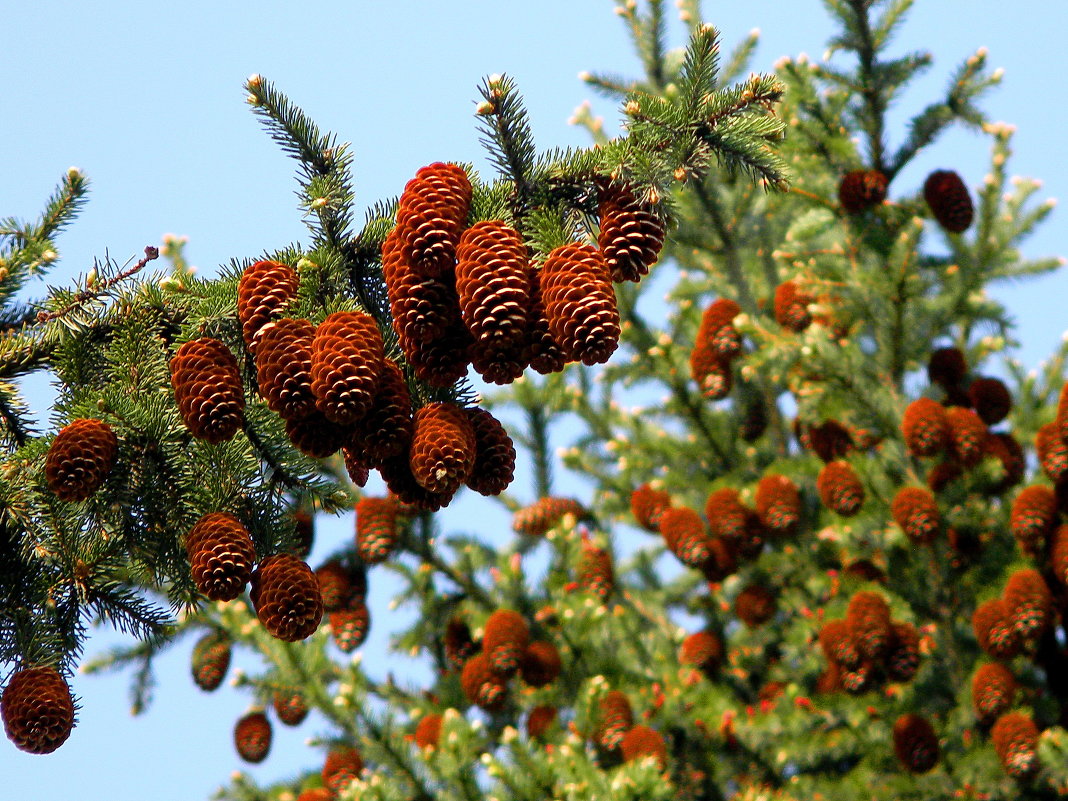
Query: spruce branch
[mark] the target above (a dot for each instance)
(507, 136)
(99, 289)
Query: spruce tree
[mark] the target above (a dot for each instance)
(816, 550)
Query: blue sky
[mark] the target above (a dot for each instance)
(146, 98)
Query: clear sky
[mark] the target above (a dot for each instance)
(147, 99)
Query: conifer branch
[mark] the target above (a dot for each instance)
(99, 289)
(507, 136)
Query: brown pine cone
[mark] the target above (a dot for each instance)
(504, 639)
(925, 427)
(791, 307)
(993, 691)
(1015, 738)
(993, 627)
(860, 190)
(915, 510)
(840, 488)
(631, 234)
(595, 572)
(428, 732)
(535, 520)
(967, 435)
(1033, 517)
(350, 626)
(722, 559)
(316, 436)
(703, 650)
(902, 659)
(37, 710)
(265, 289)
(647, 505)
(386, 430)
(252, 737)
(285, 594)
(80, 458)
(458, 644)
(829, 440)
(443, 361)
(423, 308)
(211, 660)
(443, 446)
(499, 363)
(493, 283)
(1029, 603)
(778, 503)
(543, 352)
(482, 685)
(290, 705)
(207, 388)
(990, 398)
(431, 216)
(343, 764)
(356, 464)
(755, 605)
(947, 367)
(1052, 452)
(580, 303)
(868, 621)
(335, 587)
(376, 529)
(685, 535)
(397, 473)
(711, 372)
(539, 720)
(540, 664)
(836, 640)
(916, 743)
(221, 555)
(642, 741)
(949, 201)
(1058, 553)
(283, 367)
(494, 465)
(615, 718)
(717, 332)
(348, 358)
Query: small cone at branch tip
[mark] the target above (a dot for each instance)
(80, 458)
(1015, 738)
(778, 503)
(37, 710)
(221, 555)
(860, 190)
(376, 529)
(208, 390)
(915, 510)
(286, 597)
(925, 427)
(504, 639)
(342, 765)
(993, 691)
(265, 289)
(791, 307)
(494, 465)
(840, 488)
(210, 660)
(948, 199)
(916, 743)
(642, 741)
(252, 737)
(647, 505)
(1033, 517)
(580, 303)
(290, 705)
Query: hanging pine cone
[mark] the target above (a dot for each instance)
(640, 742)
(868, 621)
(493, 283)
(778, 503)
(431, 215)
(580, 303)
(990, 398)
(444, 361)
(993, 627)
(443, 447)
(422, 307)
(791, 307)
(631, 234)
(504, 640)
(428, 732)
(80, 458)
(290, 705)
(349, 626)
(902, 659)
(712, 373)
(540, 719)
(543, 352)
(1058, 553)
(722, 560)
(397, 473)
(647, 505)
(494, 465)
(993, 691)
(947, 367)
(535, 520)
(915, 510)
(540, 664)
(265, 290)
(1004, 447)
(1061, 419)
(915, 743)
(316, 436)
(211, 660)
(1029, 604)
(615, 718)
(860, 190)
(1015, 738)
(595, 572)
(703, 650)
(925, 427)
(967, 435)
(334, 585)
(716, 332)
(207, 388)
(285, 594)
(836, 640)
(37, 710)
(755, 605)
(356, 465)
(727, 516)
(221, 555)
(347, 360)
(1052, 452)
(376, 529)
(865, 570)
(499, 363)
(482, 685)
(284, 367)
(343, 764)
(252, 737)
(457, 643)
(829, 440)
(685, 535)
(385, 431)
(949, 201)
(840, 488)
(1033, 518)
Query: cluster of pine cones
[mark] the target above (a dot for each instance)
(617, 738)
(944, 191)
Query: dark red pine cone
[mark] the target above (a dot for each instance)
(289, 705)
(316, 794)
(615, 717)
(1033, 518)
(947, 367)
(1004, 447)
(493, 283)
(685, 535)
(316, 436)
(431, 216)
(211, 660)
(334, 585)
(755, 605)
(865, 570)
(443, 447)
(915, 510)
(631, 235)
(836, 640)
(902, 659)
(1015, 738)
(717, 332)
(386, 429)
(726, 514)
(422, 308)
(356, 464)
(840, 488)
(482, 685)
(1052, 452)
(993, 627)
(778, 503)
(712, 373)
(869, 624)
(1029, 604)
(442, 362)
(990, 398)
(376, 529)
(80, 458)
(397, 473)
(428, 732)
(860, 190)
(499, 363)
(949, 201)
(342, 765)
(536, 520)
(595, 572)
(925, 427)
(458, 644)
(791, 307)
(543, 353)
(540, 663)
(283, 367)
(753, 418)
(640, 742)
(703, 650)
(37, 709)
(221, 555)
(539, 720)
(829, 440)
(285, 594)
(647, 505)
(967, 435)
(348, 359)
(207, 388)
(504, 640)
(265, 290)
(1058, 553)
(349, 626)
(252, 737)
(993, 691)
(494, 465)
(580, 303)
(915, 743)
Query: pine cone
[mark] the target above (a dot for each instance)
(1029, 604)
(376, 529)
(836, 640)
(423, 308)
(211, 660)
(903, 656)
(647, 505)
(350, 626)
(865, 570)
(993, 627)
(431, 216)
(343, 764)
(482, 685)
(868, 621)
(207, 388)
(539, 720)
(967, 435)
(722, 560)
(493, 283)
(840, 488)
(713, 374)
(536, 520)
(580, 303)
(285, 594)
(540, 664)
(266, 289)
(1015, 739)
(703, 650)
(543, 352)
(303, 533)
(990, 398)
(1061, 420)
(221, 555)
(925, 427)
(861, 190)
(504, 640)
(316, 436)
(993, 691)
(615, 719)
(829, 440)
(631, 234)
(428, 732)
(948, 199)
(443, 446)
(348, 358)
(755, 605)
(335, 588)
(778, 503)
(252, 737)
(494, 465)
(791, 307)
(1004, 447)
(386, 430)
(1058, 553)
(947, 367)
(444, 361)
(497, 363)
(283, 367)
(37, 710)
(290, 705)
(717, 333)
(316, 794)
(1033, 518)
(685, 535)
(458, 643)
(726, 514)
(80, 458)
(356, 464)
(1052, 452)
(915, 510)
(595, 572)
(640, 742)
(916, 743)
(397, 473)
